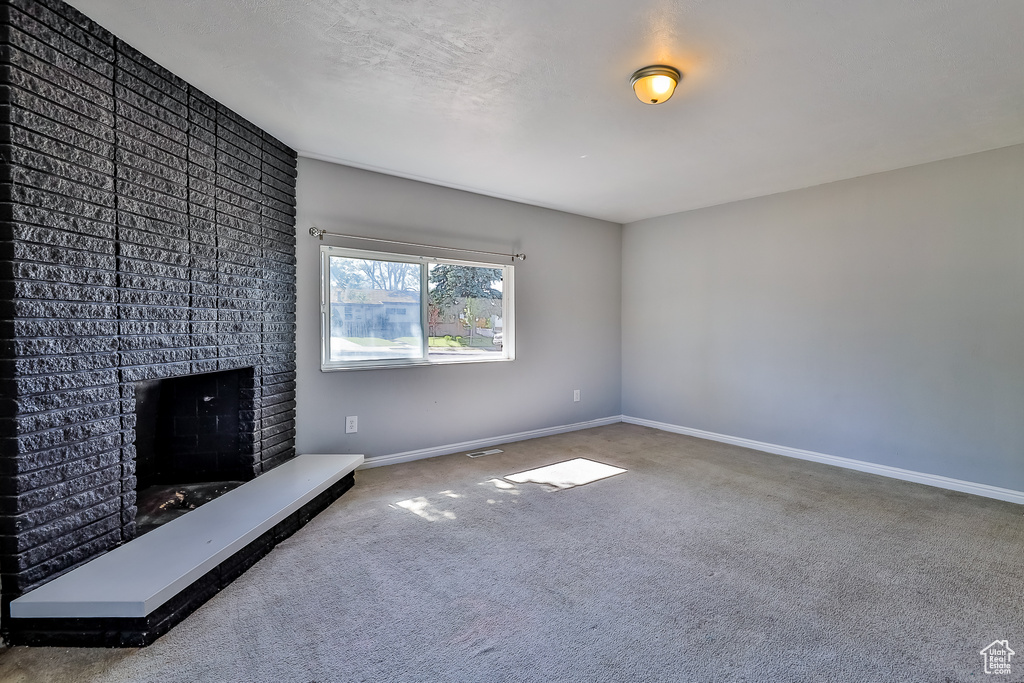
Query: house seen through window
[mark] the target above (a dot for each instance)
(381, 310)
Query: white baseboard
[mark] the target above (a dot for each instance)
(985, 490)
(408, 456)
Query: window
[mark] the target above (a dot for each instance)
(386, 310)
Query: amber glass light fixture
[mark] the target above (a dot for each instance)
(655, 84)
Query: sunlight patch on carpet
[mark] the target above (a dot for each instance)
(501, 485)
(422, 507)
(566, 475)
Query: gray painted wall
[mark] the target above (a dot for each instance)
(879, 318)
(567, 316)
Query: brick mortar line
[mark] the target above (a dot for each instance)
(65, 392)
(45, 264)
(125, 530)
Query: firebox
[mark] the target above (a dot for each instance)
(193, 441)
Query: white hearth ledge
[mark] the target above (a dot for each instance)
(141, 575)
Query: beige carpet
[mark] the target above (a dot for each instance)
(703, 562)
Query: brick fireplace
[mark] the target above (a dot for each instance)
(147, 235)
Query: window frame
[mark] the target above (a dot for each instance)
(507, 354)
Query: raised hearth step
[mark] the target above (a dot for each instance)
(133, 581)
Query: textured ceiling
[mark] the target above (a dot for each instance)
(530, 100)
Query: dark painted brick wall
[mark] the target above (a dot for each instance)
(146, 231)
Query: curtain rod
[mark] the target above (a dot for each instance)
(318, 233)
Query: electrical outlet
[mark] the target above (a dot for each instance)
(351, 424)
(576, 395)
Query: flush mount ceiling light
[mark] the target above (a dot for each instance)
(655, 84)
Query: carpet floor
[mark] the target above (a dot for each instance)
(702, 562)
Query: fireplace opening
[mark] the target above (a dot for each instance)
(193, 442)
